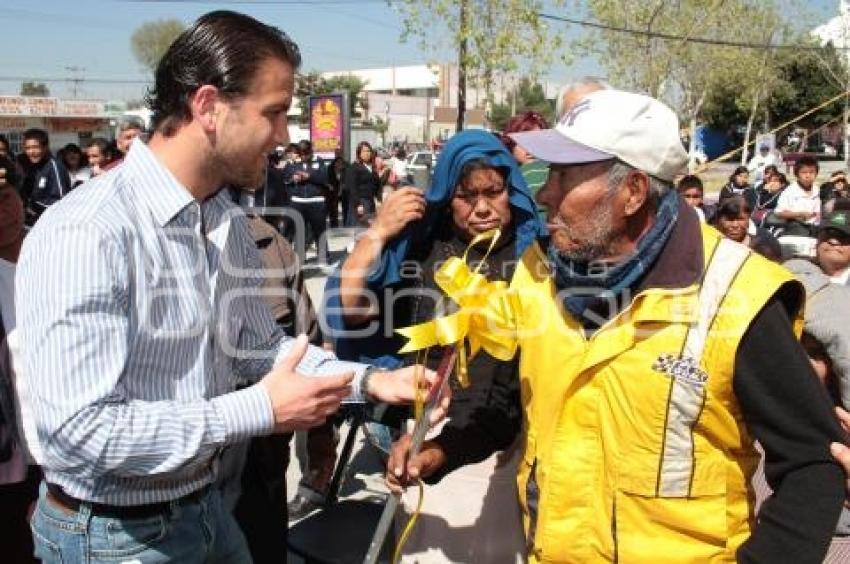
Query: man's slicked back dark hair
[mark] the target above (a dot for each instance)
(223, 49)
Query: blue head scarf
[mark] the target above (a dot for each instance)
(462, 148)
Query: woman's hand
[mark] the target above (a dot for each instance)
(397, 210)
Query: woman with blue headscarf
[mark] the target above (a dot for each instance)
(388, 283)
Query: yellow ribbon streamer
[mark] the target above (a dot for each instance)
(484, 309)
(411, 523)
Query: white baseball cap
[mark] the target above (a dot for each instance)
(608, 124)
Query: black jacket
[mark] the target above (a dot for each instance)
(49, 181)
(361, 183)
(316, 184)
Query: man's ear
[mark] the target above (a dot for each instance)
(637, 191)
(204, 105)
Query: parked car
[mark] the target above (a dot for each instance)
(421, 160)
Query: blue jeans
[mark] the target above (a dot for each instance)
(198, 532)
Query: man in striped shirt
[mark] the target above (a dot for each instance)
(140, 312)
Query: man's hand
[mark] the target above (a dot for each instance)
(402, 470)
(397, 387)
(299, 402)
(840, 452)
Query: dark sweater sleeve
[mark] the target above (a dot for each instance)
(788, 411)
(485, 418)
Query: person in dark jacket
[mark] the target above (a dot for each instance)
(732, 219)
(46, 180)
(335, 195)
(19, 474)
(739, 185)
(307, 182)
(362, 184)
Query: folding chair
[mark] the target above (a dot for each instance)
(341, 531)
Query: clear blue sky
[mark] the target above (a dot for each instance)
(41, 39)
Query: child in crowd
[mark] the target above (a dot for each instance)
(800, 204)
(739, 185)
(691, 190)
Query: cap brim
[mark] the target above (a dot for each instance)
(550, 146)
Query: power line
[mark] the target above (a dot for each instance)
(260, 2)
(73, 79)
(673, 37)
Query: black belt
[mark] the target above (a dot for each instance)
(58, 496)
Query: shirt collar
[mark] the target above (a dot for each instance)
(155, 185)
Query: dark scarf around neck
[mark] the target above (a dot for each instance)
(613, 280)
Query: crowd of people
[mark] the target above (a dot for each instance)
(642, 375)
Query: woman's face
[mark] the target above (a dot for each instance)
(734, 228)
(742, 179)
(365, 154)
(95, 156)
(481, 203)
(773, 184)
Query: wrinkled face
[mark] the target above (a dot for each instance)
(581, 213)
(734, 227)
(806, 176)
(125, 139)
(96, 158)
(254, 124)
(693, 197)
(481, 203)
(11, 215)
(34, 150)
(833, 251)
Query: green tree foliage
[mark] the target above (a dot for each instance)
(381, 126)
(151, 40)
(528, 96)
(30, 88)
(663, 61)
(800, 83)
(313, 83)
(503, 36)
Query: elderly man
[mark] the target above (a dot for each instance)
(833, 247)
(653, 353)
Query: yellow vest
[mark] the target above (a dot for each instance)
(634, 438)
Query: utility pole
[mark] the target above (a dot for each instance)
(461, 68)
(76, 80)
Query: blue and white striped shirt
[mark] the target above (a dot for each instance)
(139, 312)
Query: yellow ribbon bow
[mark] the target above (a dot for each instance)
(484, 316)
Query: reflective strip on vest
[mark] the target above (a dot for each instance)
(687, 398)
